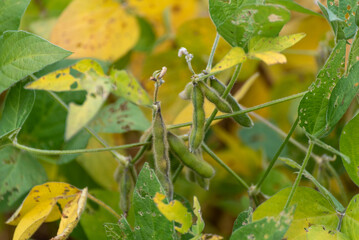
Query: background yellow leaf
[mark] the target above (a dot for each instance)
(96, 28)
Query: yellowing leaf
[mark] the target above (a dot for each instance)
(129, 88)
(211, 237)
(71, 215)
(149, 8)
(199, 226)
(235, 56)
(98, 89)
(33, 219)
(45, 193)
(66, 79)
(267, 49)
(174, 211)
(96, 28)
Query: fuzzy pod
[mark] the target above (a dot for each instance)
(161, 150)
(186, 94)
(213, 96)
(179, 149)
(197, 131)
(126, 188)
(242, 119)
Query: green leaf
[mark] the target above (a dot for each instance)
(244, 218)
(17, 107)
(349, 144)
(198, 227)
(342, 96)
(335, 22)
(267, 228)
(119, 231)
(19, 172)
(335, 203)
(237, 24)
(354, 52)
(351, 219)
(98, 89)
(22, 54)
(235, 56)
(267, 49)
(11, 13)
(149, 222)
(313, 106)
(119, 117)
(6, 139)
(79, 141)
(147, 38)
(311, 208)
(317, 232)
(291, 5)
(129, 88)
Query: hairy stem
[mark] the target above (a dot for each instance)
(211, 56)
(104, 205)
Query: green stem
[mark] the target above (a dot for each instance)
(220, 162)
(329, 148)
(104, 205)
(211, 56)
(251, 109)
(177, 172)
(275, 158)
(340, 183)
(300, 174)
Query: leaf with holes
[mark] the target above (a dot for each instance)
(313, 106)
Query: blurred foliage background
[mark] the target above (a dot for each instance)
(143, 36)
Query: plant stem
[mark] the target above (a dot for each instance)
(275, 158)
(211, 56)
(177, 172)
(104, 205)
(224, 95)
(220, 162)
(300, 174)
(340, 183)
(329, 148)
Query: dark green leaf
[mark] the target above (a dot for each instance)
(243, 219)
(11, 13)
(18, 105)
(147, 38)
(313, 106)
(119, 231)
(79, 141)
(354, 52)
(23, 53)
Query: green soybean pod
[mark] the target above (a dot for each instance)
(197, 131)
(126, 188)
(179, 149)
(161, 150)
(202, 182)
(190, 175)
(215, 98)
(243, 119)
(186, 94)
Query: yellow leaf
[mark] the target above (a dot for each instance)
(44, 193)
(174, 211)
(65, 79)
(235, 56)
(211, 237)
(71, 215)
(33, 219)
(267, 49)
(96, 28)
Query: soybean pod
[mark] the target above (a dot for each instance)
(160, 150)
(215, 98)
(199, 118)
(186, 94)
(179, 149)
(126, 188)
(242, 119)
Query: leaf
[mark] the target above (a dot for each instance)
(311, 208)
(129, 88)
(6, 139)
(349, 143)
(243, 219)
(267, 228)
(335, 203)
(174, 211)
(354, 52)
(238, 24)
(98, 89)
(235, 56)
(119, 117)
(19, 171)
(198, 227)
(267, 49)
(342, 96)
(33, 219)
(79, 141)
(71, 215)
(11, 13)
(317, 232)
(96, 28)
(351, 219)
(67, 79)
(18, 62)
(291, 5)
(122, 230)
(149, 222)
(147, 37)
(17, 107)
(45, 193)
(313, 106)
